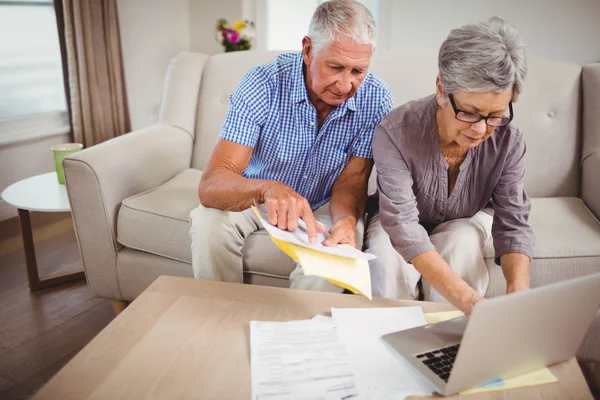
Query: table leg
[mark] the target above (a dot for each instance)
(35, 283)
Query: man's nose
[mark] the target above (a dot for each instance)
(344, 84)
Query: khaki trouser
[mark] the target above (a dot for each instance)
(460, 242)
(218, 238)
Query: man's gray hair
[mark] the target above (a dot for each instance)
(489, 56)
(338, 19)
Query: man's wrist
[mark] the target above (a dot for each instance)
(347, 219)
(263, 188)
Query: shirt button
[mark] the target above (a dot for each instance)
(312, 124)
(305, 176)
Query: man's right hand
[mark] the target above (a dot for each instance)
(285, 206)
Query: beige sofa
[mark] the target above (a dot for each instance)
(132, 195)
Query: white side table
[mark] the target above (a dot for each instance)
(39, 193)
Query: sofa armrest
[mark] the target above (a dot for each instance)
(99, 178)
(590, 182)
(590, 157)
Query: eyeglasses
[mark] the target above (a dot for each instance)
(473, 118)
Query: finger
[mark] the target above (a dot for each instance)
(321, 228)
(351, 241)
(337, 237)
(282, 217)
(311, 223)
(334, 239)
(292, 215)
(272, 211)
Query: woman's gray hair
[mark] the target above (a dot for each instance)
(338, 19)
(489, 56)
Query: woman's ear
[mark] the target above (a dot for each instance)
(439, 91)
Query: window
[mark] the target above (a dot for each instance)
(32, 92)
(286, 21)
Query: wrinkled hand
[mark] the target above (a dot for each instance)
(285, 206)
(469, 302)
(342, 232)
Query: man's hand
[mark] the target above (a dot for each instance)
(342, 232)
(285, 206)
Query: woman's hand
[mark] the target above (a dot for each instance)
(440, 276)
(515, 267)
(469, 301)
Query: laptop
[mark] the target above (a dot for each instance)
(504, 337)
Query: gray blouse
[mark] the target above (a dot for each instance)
(412, 180)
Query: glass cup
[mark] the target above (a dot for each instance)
(60, 152)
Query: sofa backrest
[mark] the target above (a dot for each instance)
(548, 112)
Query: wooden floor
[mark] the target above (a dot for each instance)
(42, 331)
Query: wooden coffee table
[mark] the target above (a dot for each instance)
(189, 339)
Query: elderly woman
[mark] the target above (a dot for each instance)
(450, 173)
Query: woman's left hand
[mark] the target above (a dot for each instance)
(516, 287)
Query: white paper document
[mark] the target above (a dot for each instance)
(300, 360)
(300, 237)
(380, 373)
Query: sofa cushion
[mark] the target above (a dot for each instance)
(564, 228)
(262, 257)
(548, 111)
(157, 222)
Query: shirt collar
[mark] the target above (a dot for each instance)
(299, 87)
(300, 93)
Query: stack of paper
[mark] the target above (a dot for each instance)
(344, 358)
(300, 360)
(380, 373)
(342, 265)
(333, 358)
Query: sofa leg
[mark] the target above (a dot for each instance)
(119, 306)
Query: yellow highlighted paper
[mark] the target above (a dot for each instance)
(533, 378)
(347, 272)
(434, 317)
(538, 377)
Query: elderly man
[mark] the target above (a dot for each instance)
(297, 137)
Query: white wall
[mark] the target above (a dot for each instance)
(204, 15)
(152, 33)
(22, 160)
(565, 30)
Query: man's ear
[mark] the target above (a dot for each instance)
(439, 90)
(307, 50)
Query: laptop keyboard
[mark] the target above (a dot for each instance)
(440, 361)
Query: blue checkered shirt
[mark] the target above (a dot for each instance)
(271, 112)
